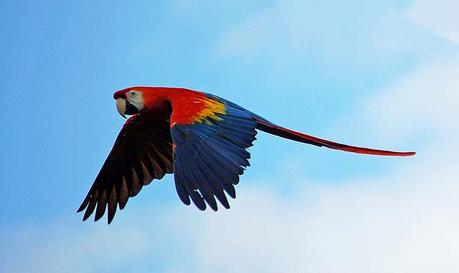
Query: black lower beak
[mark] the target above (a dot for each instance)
(131, 109)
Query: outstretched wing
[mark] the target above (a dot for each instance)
(210, 139)
(142, 152)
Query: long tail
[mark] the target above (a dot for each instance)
(274, 129)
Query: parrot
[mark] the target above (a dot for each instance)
(198, 137)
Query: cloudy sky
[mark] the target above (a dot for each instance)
(383, 74)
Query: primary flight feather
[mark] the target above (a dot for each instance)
(201, 138)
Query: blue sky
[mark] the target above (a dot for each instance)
(360, 72)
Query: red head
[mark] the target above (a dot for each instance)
(132, 100)
(129, 101)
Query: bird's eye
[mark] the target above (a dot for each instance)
(133, 93)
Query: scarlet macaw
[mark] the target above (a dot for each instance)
(201, 138)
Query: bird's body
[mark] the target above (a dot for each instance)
(201, 138)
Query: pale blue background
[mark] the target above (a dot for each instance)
(61, 61)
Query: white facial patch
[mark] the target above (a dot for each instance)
(135, 98)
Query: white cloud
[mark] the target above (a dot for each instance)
(440, 16)
(426, 99)
(66, 246)
(395, 225)
(361, 32)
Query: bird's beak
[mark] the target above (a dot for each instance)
(121, 106)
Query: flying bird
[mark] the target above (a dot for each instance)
(201, 138)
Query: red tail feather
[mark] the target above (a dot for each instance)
(271, 128)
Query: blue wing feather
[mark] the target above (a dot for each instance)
(209, 156)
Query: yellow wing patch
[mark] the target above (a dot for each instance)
(210, 110)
